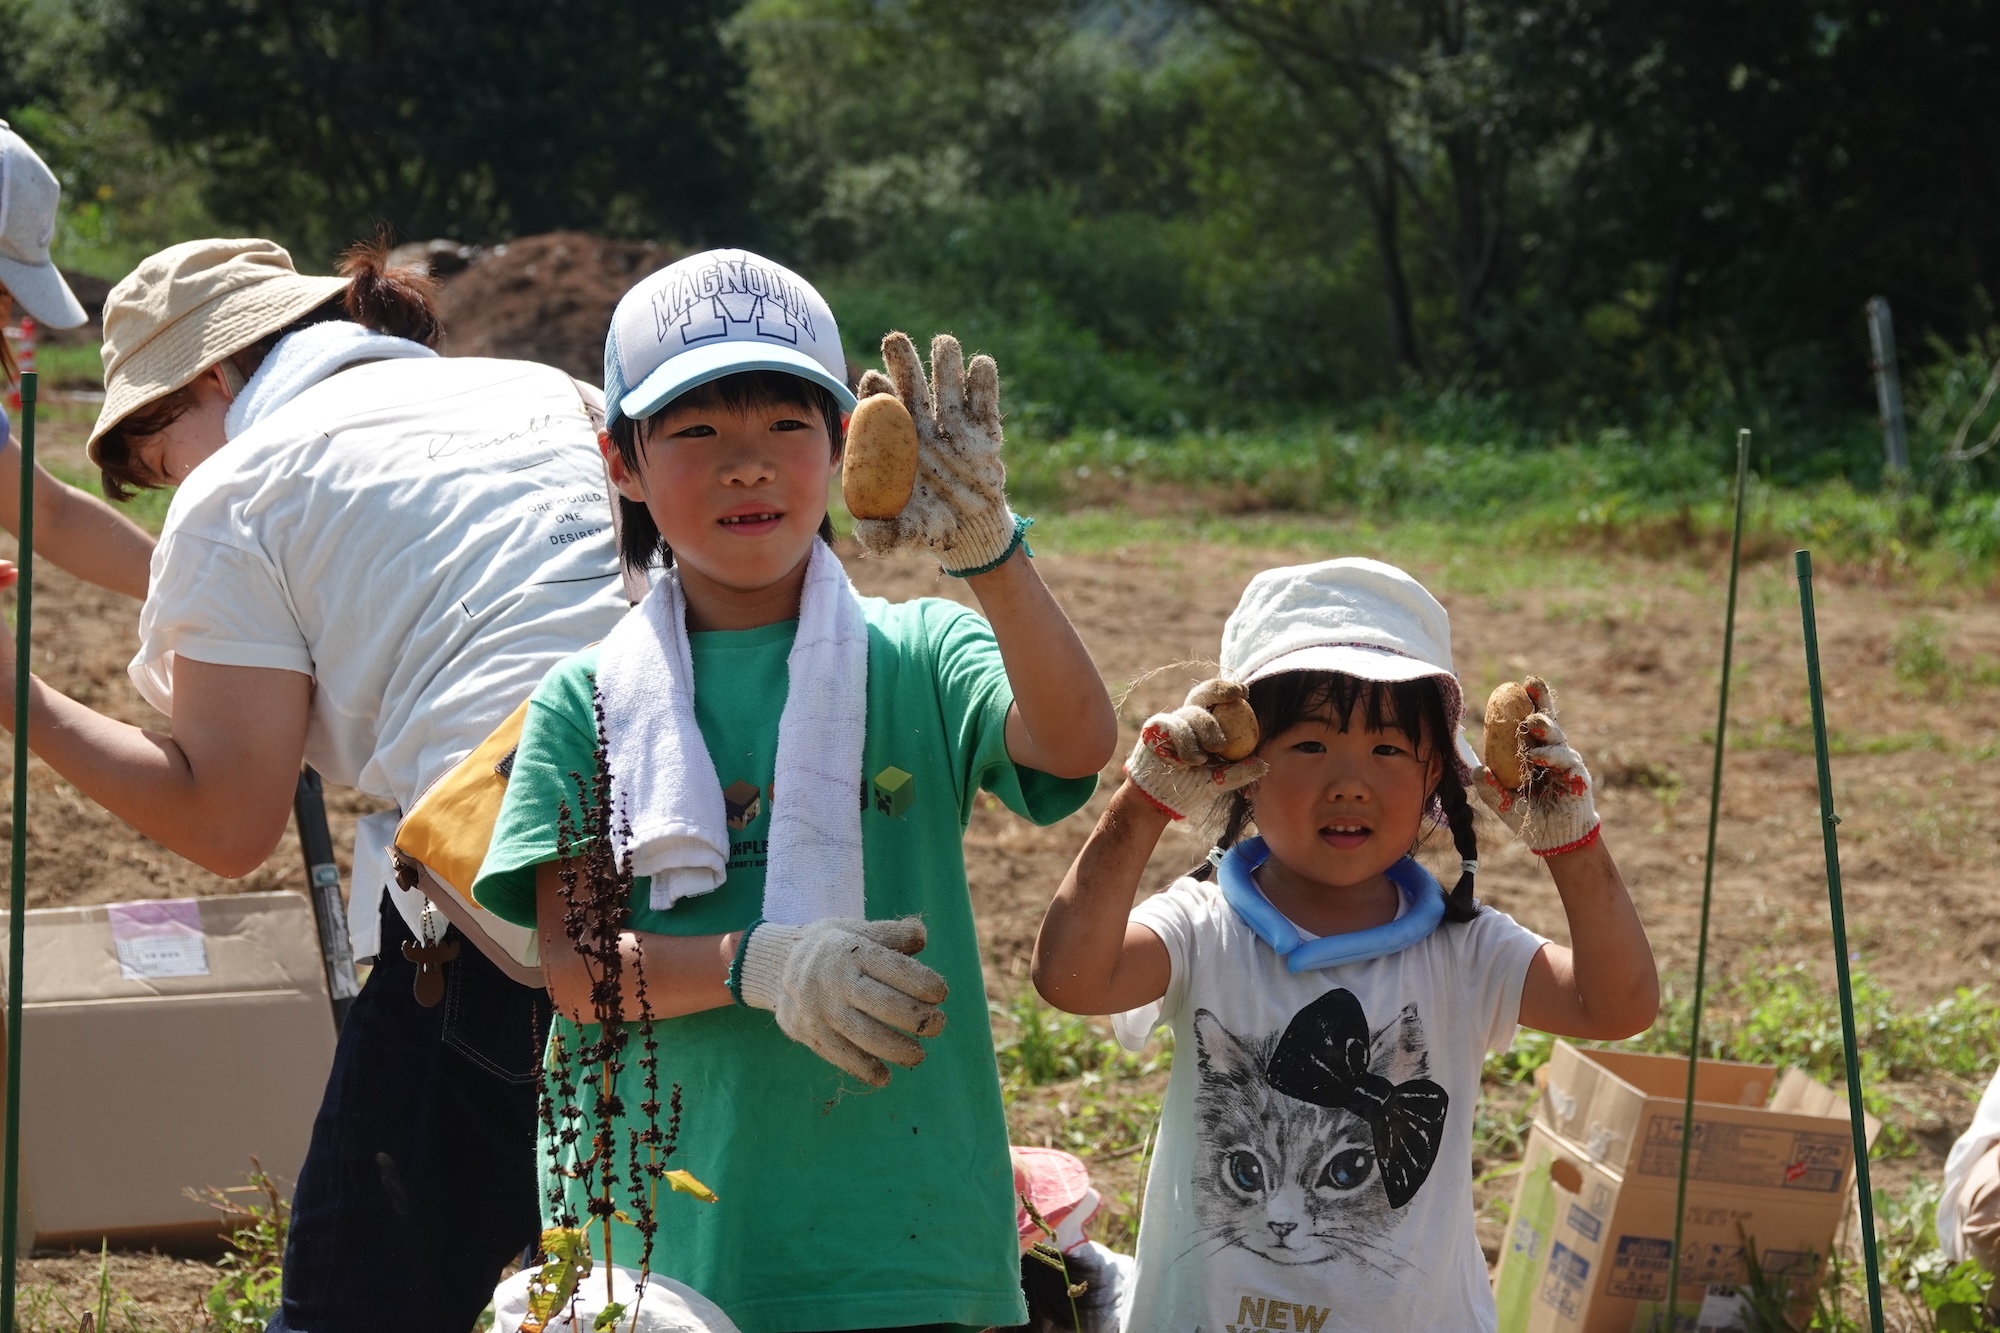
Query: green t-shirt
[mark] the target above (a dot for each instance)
(840, 1205)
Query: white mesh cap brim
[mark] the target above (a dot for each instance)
(699, 365)
(41, 291)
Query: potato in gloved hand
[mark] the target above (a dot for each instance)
(957, 507)
(1549, 801)
(1188, 761)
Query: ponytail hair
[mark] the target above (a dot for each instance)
(1414, 707)
(401, 302)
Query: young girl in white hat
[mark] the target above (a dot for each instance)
(1331, 1003)
(77, 531)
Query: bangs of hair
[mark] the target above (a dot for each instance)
(1413, 707)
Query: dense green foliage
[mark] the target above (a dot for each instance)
(1162, 215)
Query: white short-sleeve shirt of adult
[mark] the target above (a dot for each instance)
(1274, 1209)
(424, 538)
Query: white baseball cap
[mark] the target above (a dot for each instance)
(1354, 616)
(29, 193)
(715, 314)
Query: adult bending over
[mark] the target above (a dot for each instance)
(373, 556)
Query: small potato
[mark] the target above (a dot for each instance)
(880, 468)
(1507, 708)
(1229, 704)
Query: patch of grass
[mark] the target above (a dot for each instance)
(1481, 489)
(69, 366)
(1039, 1045)
(1917, 652)
(1797, 738)
(44, 1309)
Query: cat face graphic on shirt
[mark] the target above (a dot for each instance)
(1297, 1182)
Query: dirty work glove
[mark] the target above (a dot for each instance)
(843, 988)
(1555, 813)
(958, 510)
(1178, 761)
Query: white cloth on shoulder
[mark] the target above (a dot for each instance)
(301, 360)
(667, 803)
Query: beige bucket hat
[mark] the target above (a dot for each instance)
(189, 306)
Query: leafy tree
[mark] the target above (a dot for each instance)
(469, 118)
(1409, 103)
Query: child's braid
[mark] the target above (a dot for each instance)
(1459, 904)
(1232, 833)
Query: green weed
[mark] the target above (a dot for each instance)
(259, 1216)
(1045, 1045)
(1917, 652)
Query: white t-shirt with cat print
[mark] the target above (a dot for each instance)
(1314, 1167)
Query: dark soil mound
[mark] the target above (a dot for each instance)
(542, 298)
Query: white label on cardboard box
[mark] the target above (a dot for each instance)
(1722, 1311)
(157, 939)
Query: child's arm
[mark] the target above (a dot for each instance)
(1605, 985)
(848, 990)
(1061, 722)
(1089, 959)
(685, 974)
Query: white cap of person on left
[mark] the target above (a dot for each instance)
(29, 193)
(714, 314)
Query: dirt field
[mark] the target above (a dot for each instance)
(1632, 645)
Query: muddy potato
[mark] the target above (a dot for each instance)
(880, 468)
(1229, 704)
(1506, 709)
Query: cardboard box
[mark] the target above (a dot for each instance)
(165, 1044)
(1589, 1244)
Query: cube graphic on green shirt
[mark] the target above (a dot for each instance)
(742, 804)
(895, 791)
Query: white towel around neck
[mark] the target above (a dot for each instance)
(301, 360)
(664, 785)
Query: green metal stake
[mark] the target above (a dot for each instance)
(17, 887)
(1829, 826)
(1708, 872)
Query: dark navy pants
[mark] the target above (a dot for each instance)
(420, 1185)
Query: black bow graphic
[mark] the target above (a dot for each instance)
(1323, 1059)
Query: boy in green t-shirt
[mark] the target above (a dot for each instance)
(849, 1199)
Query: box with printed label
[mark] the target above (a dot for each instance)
(1589, 1245)
(164, 1044)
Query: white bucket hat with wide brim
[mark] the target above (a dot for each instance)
(29, 193)
(1355, 616)
(188, 307)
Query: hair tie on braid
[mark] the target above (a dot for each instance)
(1460, 904)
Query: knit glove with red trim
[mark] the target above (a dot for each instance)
(1176, 765)
(958, 510)
(1556, 813)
